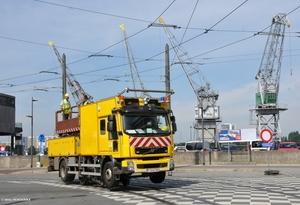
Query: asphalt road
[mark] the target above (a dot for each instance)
(197, 184)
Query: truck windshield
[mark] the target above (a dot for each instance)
(143, 125)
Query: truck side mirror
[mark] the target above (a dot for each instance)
(174, 127)
(111, 124)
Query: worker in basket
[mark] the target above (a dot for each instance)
(84, 100)
(65, 107)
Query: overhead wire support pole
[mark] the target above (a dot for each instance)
(64, 75)
(167, 70)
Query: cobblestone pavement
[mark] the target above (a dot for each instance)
(200, 185)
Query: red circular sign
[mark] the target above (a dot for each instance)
(266, 135)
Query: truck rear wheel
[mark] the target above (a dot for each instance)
(63, 172)
(109, 179)
(159, 177)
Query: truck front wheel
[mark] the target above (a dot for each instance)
(109, 179)
(63, 172)
(159, 177)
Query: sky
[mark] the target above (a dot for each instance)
(228, 55)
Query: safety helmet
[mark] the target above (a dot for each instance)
(165, 128)
(67, 95)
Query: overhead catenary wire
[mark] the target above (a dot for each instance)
(141, 61)
(111, 15)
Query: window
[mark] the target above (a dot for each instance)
(135, 124)
(256, 144)
(102, 127)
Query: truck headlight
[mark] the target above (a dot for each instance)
(130, 166)
(172, 164)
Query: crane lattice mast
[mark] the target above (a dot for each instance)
(133, 69)
(268, 75)
(76, 90)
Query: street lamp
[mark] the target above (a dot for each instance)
(31, 116)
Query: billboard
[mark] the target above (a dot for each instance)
(237, 135)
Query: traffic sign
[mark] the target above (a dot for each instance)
(266, 135)
(41, 138)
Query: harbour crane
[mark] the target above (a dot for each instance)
(207, 113)
(133, 69)
(268, 75)
(76, 90)
(267, 108)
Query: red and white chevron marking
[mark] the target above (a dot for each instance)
(150, 141)
(67, 130)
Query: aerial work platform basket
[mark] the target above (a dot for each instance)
(68, 126)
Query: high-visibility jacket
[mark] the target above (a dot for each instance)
(66, 106)
(85, 103)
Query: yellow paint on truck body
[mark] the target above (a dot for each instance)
(66, 146)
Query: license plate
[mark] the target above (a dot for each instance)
(152, 170)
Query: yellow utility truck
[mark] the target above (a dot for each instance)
(115, 139)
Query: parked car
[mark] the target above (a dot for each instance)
(4, 153)
(179, 149)
(232, 148)
(286, 146)
(196, 146)
(298, 144)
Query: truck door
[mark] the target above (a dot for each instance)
(113, 142)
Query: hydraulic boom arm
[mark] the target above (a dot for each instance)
(75, 88)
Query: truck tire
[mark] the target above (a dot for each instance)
(109, 179)
(63, 172)
(159, 177)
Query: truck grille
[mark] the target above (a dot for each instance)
(152, 150)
